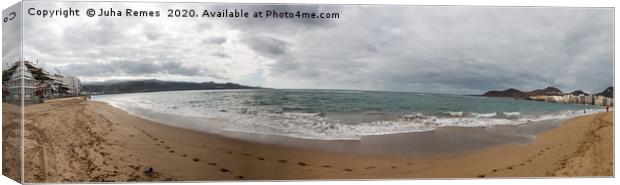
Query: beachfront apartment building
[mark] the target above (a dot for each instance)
(14, 84)
(37, 83)
(603, 101)
(73, 84)
(580, 99)
(66, 85)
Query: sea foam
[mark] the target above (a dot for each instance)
(233, 113)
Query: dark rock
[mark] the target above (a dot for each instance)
(149, 171)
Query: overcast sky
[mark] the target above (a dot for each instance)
(455, 49)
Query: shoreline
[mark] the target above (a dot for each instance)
(217, 125)
(417, 142)
(103, 143)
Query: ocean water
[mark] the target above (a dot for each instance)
(333, 114)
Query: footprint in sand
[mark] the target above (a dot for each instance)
(282, 161)
(494, 170)
(510, 168)
(224, 170)
(229, 152)
(393, 167)
(184, 155)
(348, 170)
(212, 164)
(481, 176)
(302, 164)
(195, 159)
(326, 166)
(171, 151)
(134, 167)
(240, 177)
(161, 141)
(260, 158)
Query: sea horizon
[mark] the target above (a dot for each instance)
(480, 93)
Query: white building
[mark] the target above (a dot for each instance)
(37, 83)
(15, 83)
(58, 86)
(73, 84)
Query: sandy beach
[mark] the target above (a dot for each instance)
(11, 160)
(76, 140)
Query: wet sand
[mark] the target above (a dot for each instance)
(444, 140)
(75, 140)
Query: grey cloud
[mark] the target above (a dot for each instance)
(152, 32)
(268, 46)
(104, 32)
(285, 65)
(221, 55)
(202, 26)
(462, 48)
(135, 68)
(448, 49)
(214, 40)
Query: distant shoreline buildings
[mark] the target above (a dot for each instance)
(573, 99)
(38, 84)
(552, 94)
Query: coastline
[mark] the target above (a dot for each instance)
(78, 140)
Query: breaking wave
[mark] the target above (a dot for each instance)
(285, 121)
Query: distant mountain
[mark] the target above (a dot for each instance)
(514, 93)
(609, 92)
(134, 86)
(546, 91)
(578, 92)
